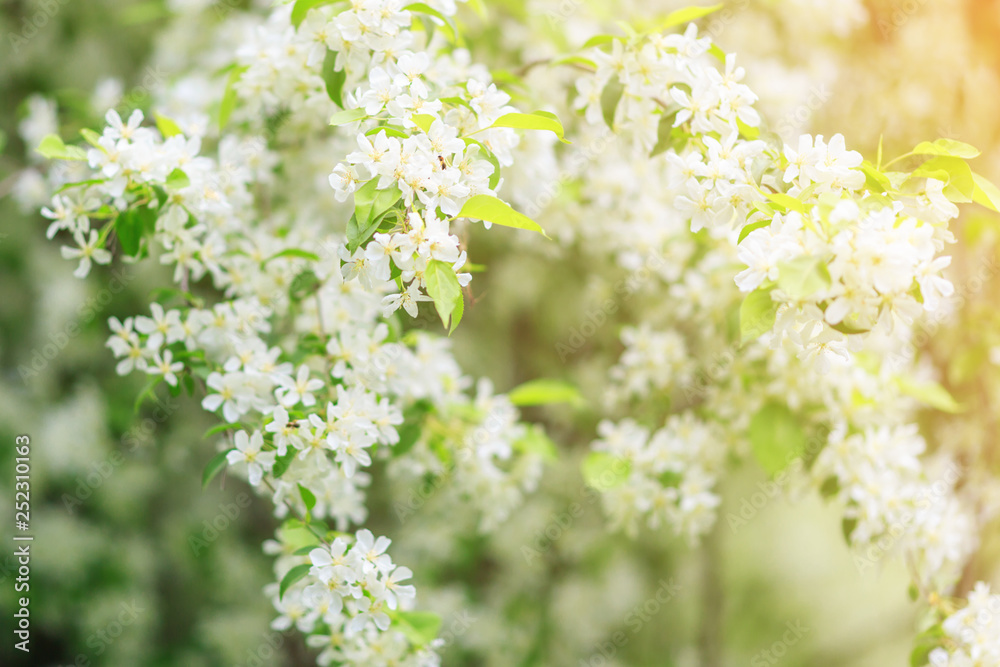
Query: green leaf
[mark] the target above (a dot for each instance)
(670, 479)
(167, 127)
(610, 97)
(598, 40)
(960, 185)
(423, 121)
(757, 314)
(946, 147)
(219, 428)
(930, 393)
(370, 205)
(302, 7)
(334, 78)
(717, 52)
(875, 179)
(443, 288)
(308, 497)
(217, 463)
(456, 315)
(53, 148)
(177, 179)
(409, 433)
(668, 136)
(303, 285)
(147, 392)
(745, 232)
(927, 640)
(803, 276)
(131, 225)
(448, 26)
(491, 209)
(92, 138)
(537, 120)
(544, 392)
(776, 437)
(229, 96)
(282, 463)
(604, 471)
(686, 15)
(389, 130)
(347, 116)
(985, 193)
(370, 202)
(80, 184)
(293, 575)
(293, 252)
(488, 154)
(537, 442)
(847, 527)
(412, 426)
(419, 627)
(788, 202)
(847, 325)
(575, 60)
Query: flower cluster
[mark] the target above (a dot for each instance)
(293, 246)
(840, 257)
(670, 474)
(891, 506)
(302, 357)
(971, 633)
(344, 599)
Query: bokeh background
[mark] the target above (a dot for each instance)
(116, 493)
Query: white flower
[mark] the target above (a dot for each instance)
(162, 366)
(117, 129)
(407, 299)
(232, 394)
(87, 251)
(248, 450)
(298, 390)
(285, 432)
(394, 591)
(164, 326)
